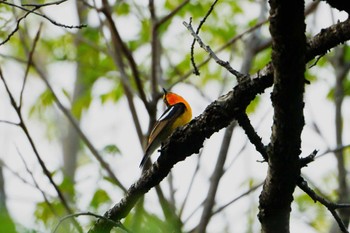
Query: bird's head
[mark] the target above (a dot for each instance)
(171, 98)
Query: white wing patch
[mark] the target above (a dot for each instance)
(167, 113)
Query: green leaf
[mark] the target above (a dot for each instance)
(67, 186)
(81, 104)
(44, 213)
(100, 197)
(123, 8)
(45, 100)
(113, 95)
(253, 105)
(6, 223)
(111, 149)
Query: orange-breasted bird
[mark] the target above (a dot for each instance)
(178, 113)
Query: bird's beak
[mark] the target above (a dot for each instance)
(165, 91)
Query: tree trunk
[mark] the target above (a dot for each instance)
(287, 29)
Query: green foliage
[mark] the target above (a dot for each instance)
(346, 89)
(45, 100)
(123, 8)
(149, 223)
(47, 213)
(317, 213)
(58, 49)
(67, 186)
(113, 95)
(80, 104)
(261, 60)
(111, 149)
(100, 197)
(6, 223)
(253, 105)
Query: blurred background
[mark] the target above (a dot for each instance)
(87, 81)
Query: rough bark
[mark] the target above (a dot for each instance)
(287, 28)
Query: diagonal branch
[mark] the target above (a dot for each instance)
(332, 207)
(188, 140)
(29, 63)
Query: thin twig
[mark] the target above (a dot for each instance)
(116, 224)
(29, 63)
(17, 25)
(36, 185)
(254, 138)
(240, 77)
(252, 189)
(201, 23)
(332, 207)
(339, 148)
(9, 122)
(220, 49)
(172, 13)
(190, 186)
(35, 8)
(45, 4)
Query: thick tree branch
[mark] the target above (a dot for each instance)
(341, 5)
(287, 28)
(189, 139)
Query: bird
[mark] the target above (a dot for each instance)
(177, 113)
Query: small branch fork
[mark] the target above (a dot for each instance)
(33, 10)
(332, 207)
(240, 77)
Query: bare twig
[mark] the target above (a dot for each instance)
(17, 24)
(339, 148)
(35, 8)
(196, 71)
(220, 49)
(332, 207)
(254, 138)
(308, 159)
(240, 77)
(116, 224)
(29, 63)
(309, 9)
(9, 122)
(172, 13)
(45, 4)
(252, 189)
(36, 185)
